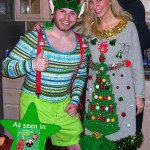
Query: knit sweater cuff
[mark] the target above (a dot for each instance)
(75, 100)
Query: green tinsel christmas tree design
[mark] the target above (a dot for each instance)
(101, 118)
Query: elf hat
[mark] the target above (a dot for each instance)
(71, 4)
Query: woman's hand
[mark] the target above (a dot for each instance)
(140, 105)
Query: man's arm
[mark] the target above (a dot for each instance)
(22, 59)
(79, 82)
(19, 62)
(77, 88)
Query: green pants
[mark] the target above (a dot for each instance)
(54, 113)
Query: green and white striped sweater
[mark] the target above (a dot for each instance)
(56, 80)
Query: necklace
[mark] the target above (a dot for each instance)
(111, 32)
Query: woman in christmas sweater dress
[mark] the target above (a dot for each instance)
(115, 49)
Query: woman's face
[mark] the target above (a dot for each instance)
(100, 8)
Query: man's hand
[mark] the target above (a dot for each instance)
(71, 109)
(139, 105)
(39, 63)
(38, 26)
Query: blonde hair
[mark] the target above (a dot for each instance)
(90, 21)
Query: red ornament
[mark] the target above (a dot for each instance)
(89, 77)
(98, 80)
(104, 97)
(128, 87)
(92, 107)
(117, 87)
(101, 58)
(111, 109)
(128, 63)
(88, 100)
(98, 118)
(123, 114)
(121, 75)
(103, 119)
(102, 108)
(101, 87)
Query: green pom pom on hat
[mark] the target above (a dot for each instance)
(48, 25)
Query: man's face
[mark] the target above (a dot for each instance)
(65, 19)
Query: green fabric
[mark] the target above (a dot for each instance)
(67, 4)
(53, 113)
(91, 143)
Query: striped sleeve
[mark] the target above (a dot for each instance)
(79, 82)
(19, 62)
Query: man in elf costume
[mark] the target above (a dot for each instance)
(51, 60)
